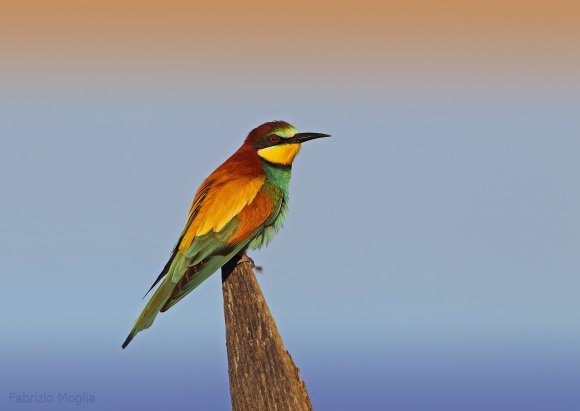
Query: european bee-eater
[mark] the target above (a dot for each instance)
(241, 205)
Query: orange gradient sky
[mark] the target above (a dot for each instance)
(436, 40)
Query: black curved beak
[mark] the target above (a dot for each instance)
(302, 137)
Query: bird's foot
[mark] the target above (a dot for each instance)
(245, 259)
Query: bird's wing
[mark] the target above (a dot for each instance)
(217, 201)
(208, 252)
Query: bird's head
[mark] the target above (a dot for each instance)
(278, 142)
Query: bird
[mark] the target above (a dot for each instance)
(241, 205)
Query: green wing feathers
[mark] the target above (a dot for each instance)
(186, 271)
(188, 268)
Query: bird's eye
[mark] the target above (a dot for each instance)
(274, 138)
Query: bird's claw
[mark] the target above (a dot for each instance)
(245, 259)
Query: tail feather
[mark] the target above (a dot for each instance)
(163, 273)
(152, 308)
(179, 281)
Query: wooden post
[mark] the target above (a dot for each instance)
(263, 376)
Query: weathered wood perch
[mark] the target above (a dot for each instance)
(263, 376)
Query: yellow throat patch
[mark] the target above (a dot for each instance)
(282, 154)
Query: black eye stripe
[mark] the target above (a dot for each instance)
(274, 138)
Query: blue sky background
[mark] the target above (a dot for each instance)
(429, 261)
(430, 258)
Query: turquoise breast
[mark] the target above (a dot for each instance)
(277, 182)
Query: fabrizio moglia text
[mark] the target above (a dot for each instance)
(63, 397)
